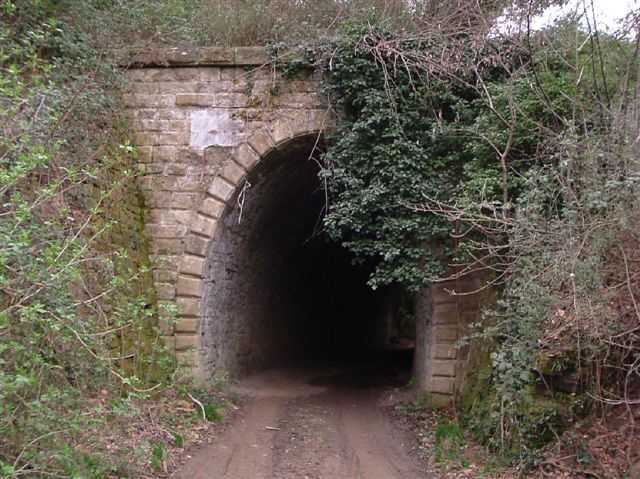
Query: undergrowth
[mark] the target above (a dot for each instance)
(459, 149)
(516, 155)
(81, 350)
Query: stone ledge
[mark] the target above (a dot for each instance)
(192, 57)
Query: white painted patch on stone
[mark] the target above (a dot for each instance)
(215, 128)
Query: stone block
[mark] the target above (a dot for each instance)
(445, 334)
(159, 231)
(216, 56)
(192, 265)
(136, 100)
(178, 56)
(299, 100)
(197, 245)
(142, 138)
(172, 113)
(437, 400)
(192, 183)
(150, 168)
(183, 200)
(441, 385)
(189, 286)
(237, 85)
(204, 226)
(231, 100)
(446, 317)
(164, 276)
(443, 368)
(165, 291)
(169, 262)
(177, 138)
(440, 296)
(195, 99)
(261, 142)
(165, 154)
(251, 56)
(444, 351)
(230, 73)
(246, 156)
(165, 246)
(186, 358)
(232, 172)
(172, 74)
(157, 199)
(176, 169)
(280, 130)
(157, 182)
(221, 189)
(212, 207)
(186, 341)
(145, 154)
(189, 307)
(217, 155)
(318, 120)
(187, 325)
(169, 340)
(183, 217)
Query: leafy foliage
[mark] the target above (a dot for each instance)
(68, 293)
(532, 162)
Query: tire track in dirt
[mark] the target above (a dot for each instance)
(292, 430)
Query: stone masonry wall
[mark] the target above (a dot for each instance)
(444, 313)
(202, 119)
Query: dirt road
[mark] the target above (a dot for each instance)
(308, 425)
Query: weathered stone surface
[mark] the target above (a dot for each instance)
(215, 127)
(166, 246)
(193, 265)
(189, 286)
(444, 368)
(165, 291)
(442, 385)
(182, 200)
(136, 100)
(251, 56)
(212, 207)
(197, 245)
(232, 172)
(164, 276)
(280, 130)
(186, 358)
(186, 341)
(194, 99)
(261, 142)
(216, 56)
(444, 351)
(189, 307)
(246, 156)
(144, 154)
(187, 325)
(445, 334)
(165, 231)
(204, 226)
(221, 189)
(202, 121)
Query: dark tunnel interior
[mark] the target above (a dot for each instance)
(278, 292)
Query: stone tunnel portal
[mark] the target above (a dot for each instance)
(277, 292)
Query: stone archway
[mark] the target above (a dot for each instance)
(219, 201)
(203, 120)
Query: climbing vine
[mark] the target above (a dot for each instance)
(492, 158)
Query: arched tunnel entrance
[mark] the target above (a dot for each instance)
(278, 293)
